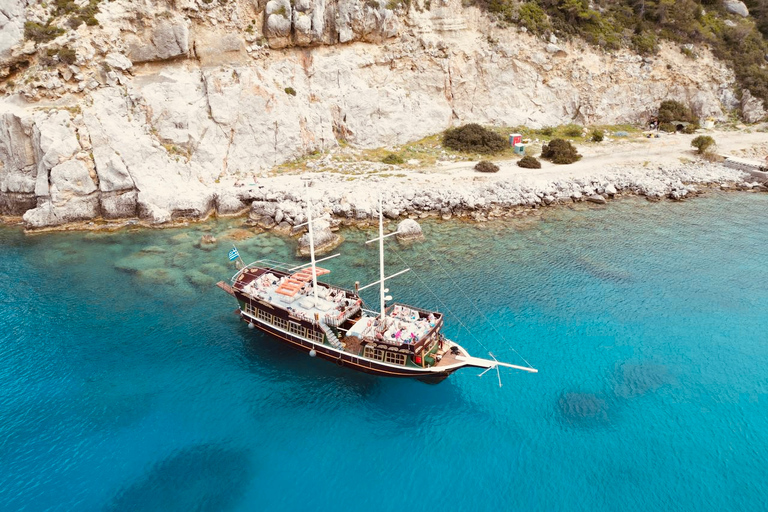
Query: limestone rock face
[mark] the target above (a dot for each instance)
(12, 17)
(166, 40)
(752, 109)
(18, 169)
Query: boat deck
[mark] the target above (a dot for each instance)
(404, 326)
(332, 304)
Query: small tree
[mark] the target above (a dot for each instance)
(486, 166)
(702, 143)
(560, 151)
(529, 162)
(671, 110)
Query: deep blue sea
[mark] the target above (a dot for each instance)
(126, 383)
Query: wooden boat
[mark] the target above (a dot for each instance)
(332, 323)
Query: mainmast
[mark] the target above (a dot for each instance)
(382, 290)
(312, 245)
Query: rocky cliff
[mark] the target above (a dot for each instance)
(144, 109)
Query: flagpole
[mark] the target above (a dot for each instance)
(242, 263)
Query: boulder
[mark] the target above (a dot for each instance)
(752, 109)
(71, 177)
(736, 7)
(325, 240)
(118, 61)
(597, 199)
(48, 214)
(409, 230)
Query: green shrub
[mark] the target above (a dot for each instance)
(671, 110)
(473, 138)
(67, 55)
(486, 166)
(290, 91)
(533, 17)
(573, 130)
(41, 33)
(667, 127)
(547, 131)
(690, 128)
(597, 135)
(529, 162)
(560, 151)
(393, 159)
(702, 143)
(645, 43)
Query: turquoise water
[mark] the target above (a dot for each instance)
(126, 383)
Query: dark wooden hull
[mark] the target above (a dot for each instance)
(347, 360)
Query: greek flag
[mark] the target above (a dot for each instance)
(233, 254)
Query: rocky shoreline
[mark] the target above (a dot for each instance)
(279, 203)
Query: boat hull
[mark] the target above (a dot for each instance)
(350, 361)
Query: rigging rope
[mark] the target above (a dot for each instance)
(509, 345)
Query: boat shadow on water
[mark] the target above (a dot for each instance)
(280, 363)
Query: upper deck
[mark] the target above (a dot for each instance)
(268, 284)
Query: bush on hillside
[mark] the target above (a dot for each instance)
(529, 162)
(671, 110)
(486, 166)
(473, 138)
(667, 127)
(597, 135)
(393, 159)
(702, 143)
(41, 33)
(560, 151)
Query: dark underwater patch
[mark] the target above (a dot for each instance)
(633, 379)
(583, 408)
(201, 478)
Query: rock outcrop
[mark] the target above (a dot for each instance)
(408, 231)
(145, 113)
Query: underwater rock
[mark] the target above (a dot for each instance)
(578, 407)
(197, 278)
(140, 261)
(157, 275)
(238, 234)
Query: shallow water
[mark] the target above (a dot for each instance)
(126, 383)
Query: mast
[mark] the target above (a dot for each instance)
(381, 263)
(312, 244)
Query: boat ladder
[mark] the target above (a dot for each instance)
(332, 338)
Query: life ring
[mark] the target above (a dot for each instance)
(340, 362)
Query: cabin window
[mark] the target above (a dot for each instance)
(394, 358)
(296, 329)
(267, 317)
(249, 309)
(315, 336)
(281, 323)
(373, 353)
